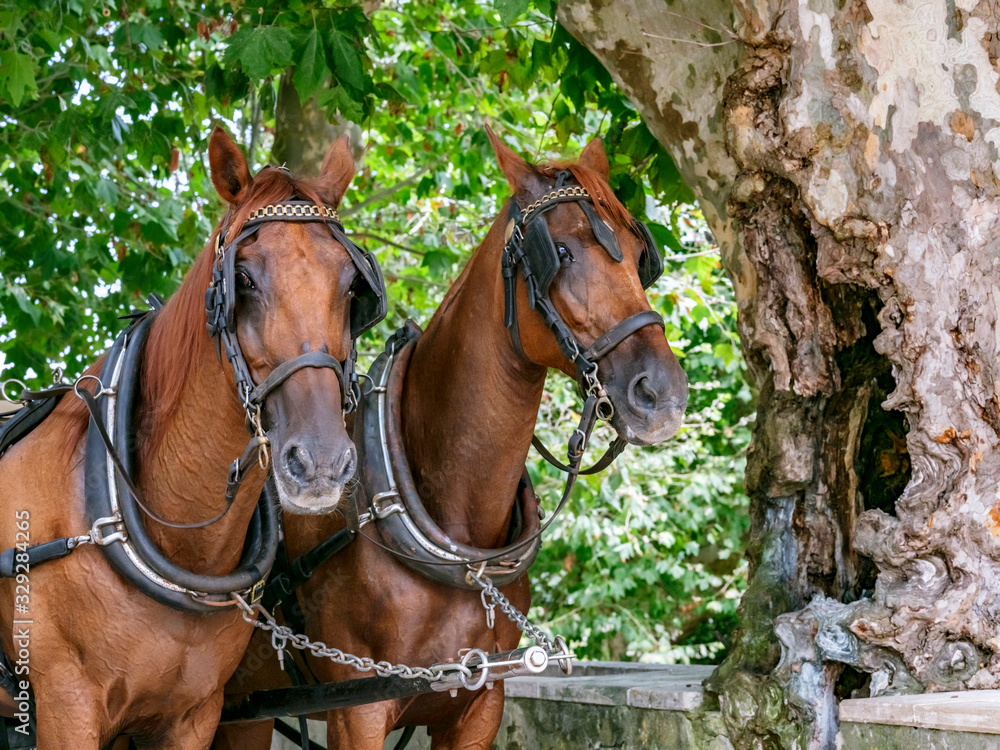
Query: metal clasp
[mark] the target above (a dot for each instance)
(388, 510)
(101, 390)
(118, 535)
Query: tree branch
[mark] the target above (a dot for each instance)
(385, 241)
(386, 192)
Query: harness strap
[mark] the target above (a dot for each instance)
(24, 421)
(283, 586)
(285, 370)
(34, 555)
(458, 557)
(98, 422)
(622, 331)
(614, 450)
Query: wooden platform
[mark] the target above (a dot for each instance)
(935, 721)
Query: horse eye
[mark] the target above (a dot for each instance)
(564, 254)
(243, 281)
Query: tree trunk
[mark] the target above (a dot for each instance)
(303, 132)
(846, 156)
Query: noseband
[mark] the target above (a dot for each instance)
(529, 246)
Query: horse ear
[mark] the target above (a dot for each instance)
(594, 158)
(518, 172)
(230, 173)
(337, 172)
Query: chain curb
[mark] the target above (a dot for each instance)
(282, 636)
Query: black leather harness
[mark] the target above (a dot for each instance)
(390, 503)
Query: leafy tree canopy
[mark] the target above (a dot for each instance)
(105, 110)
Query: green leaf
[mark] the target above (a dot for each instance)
(337, 98)
(509, 10)
(438, 262)
(665, 238)
(17, 76)
(346, 62)
(260, 50)
(311, 71)
(147, 35)
(106, 192)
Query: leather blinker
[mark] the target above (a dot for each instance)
(543, 259)
(604, 234)
(650, 261)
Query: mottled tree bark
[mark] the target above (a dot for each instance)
(303, 132)
(845, 152)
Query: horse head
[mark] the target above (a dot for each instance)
(587, 263)
(294, 285)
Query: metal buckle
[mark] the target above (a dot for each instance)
(387, 511)
(118, 535)
(100, 391)
(257, 592)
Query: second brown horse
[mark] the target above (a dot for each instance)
(469, 405)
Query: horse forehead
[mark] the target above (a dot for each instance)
(569, 218)
(303, 249)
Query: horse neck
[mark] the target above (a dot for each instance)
(184, 457)
(469, 406)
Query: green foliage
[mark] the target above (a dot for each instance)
(105, 110)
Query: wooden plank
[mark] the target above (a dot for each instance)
(969, 711)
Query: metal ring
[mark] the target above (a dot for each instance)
(3, 390)
(76, 385)
(605, 409)
(484, 669)
(566, 661)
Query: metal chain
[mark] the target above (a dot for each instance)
(575, 191)
(539, 636)
(280, 209)
(282, 636)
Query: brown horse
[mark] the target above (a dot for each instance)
(468, 411)
(106, 659)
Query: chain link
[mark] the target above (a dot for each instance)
(281, 209)
(282, 636)
(539, 636)
(574, 191)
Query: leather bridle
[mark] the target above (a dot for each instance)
(529, 246)
(367, 309)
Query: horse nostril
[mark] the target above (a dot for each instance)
(641, 395)
(342, 473)
(299, 464)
